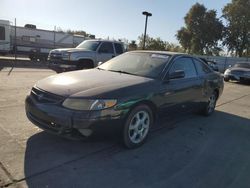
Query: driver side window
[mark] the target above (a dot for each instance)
(186, 65)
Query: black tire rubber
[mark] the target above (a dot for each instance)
(226, 79)
(206, 111)
(32, 57)
(126, 140)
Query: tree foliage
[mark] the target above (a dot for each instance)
(202, 30)
(171, 47)
(77, 32)
(152, 43)
(237, 32)
(132, 45)
(158, 44)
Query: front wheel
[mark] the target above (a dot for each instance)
(210, 106)
(137, 126)
(226, 79)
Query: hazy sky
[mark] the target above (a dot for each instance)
(113, 18)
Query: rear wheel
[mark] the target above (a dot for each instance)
(210, 106)
(32, 57)
(137, 126)
(226, 79)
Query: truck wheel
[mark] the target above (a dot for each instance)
(85, 64)
(32, 57)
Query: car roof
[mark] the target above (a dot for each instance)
(104, 40)
(161, 52)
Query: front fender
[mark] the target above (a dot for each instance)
(83, 55)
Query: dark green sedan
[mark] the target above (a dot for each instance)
(127, 92)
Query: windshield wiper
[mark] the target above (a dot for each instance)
(123, 72)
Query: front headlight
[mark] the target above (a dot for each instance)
(66, 56)
(84, 104)
(227, 71)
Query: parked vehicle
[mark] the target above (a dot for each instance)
(212, 64)
(239, 72)
(86, 55)
(33, 42)
(128, 92)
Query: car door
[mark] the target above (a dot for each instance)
(180, 94)
(207, 80)
(105, 52)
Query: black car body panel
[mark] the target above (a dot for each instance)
(44, 105)
(92, 83)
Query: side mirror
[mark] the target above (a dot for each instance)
(99, 63)
(177, 74)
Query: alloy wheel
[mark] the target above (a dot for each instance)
(139, 127)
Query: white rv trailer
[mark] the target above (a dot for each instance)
(36, 43)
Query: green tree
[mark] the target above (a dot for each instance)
(202, 30)
(184, 37)
(174, 47)
(237, 32)
(132, 45)
(77, 32)
(152, 43)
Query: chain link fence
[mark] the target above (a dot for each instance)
(225, 62)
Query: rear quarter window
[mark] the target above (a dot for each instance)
(2, 33)
(201, 67)
(118, 48)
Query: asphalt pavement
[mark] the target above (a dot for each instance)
(182, 151)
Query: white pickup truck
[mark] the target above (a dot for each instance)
(86, 55)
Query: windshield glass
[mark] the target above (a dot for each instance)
(137, 63)
(89, 45)
(242, 65)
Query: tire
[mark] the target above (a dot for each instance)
(226, 79)
(210, 106)
(137, 126)
(32, 57)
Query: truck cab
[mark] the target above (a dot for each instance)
(86, 55)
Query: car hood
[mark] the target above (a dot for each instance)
(71, 50)
(239, 69)
(93, 83)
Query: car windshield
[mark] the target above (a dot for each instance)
(89, 45)
(137, 63)
(242, 65)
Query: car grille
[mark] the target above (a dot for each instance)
(45, 97)
(55, 56)
(237, 72)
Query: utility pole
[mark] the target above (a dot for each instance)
(15, 41)
(147, 14)
(54, 36)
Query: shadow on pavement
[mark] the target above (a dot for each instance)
(199, 152)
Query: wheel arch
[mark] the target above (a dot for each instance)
(148, 103)
(217, 91)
